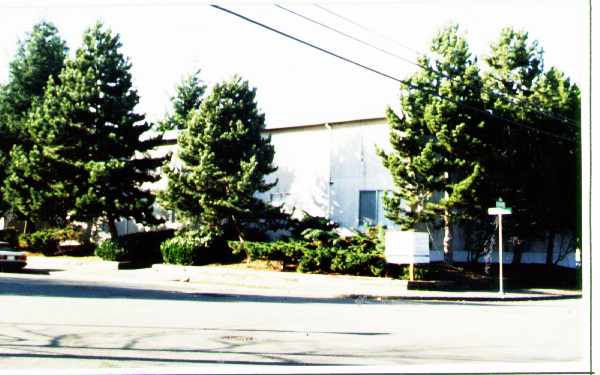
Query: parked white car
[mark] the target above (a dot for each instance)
(10, 259)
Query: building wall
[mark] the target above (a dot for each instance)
(323, 168)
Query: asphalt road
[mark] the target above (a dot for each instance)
(48, 323)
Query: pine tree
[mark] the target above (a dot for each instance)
(89, 161)
(224, 159)
(518, 89)
(437, 142)
(188, 97)
(557, 206)
(40, 56)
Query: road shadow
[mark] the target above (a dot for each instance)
(12, 286)
(32, 271)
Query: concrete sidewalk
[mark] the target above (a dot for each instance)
(239, 280)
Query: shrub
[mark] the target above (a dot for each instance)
(192, 247)
(111, 250)
(9, 235)
(324, 251)
(310, 222)
(47, 240)
(356, 261)
(286, 251)
(317, 260)
(320, 237)
(143, 248)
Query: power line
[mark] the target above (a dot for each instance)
(366, 29)
(404, 82)
(349, 36)
(512, 100)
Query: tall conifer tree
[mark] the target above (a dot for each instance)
(437, 143)
(187, 99)
(40, 56)
(89, 159)
(525, 160)
(224, 159)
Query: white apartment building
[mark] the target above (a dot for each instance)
(332, 170)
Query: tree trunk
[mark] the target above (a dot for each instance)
(112, 227)
(447, 238)
(550, 248)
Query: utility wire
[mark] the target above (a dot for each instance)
(404, 82)
(367, 29)
(350, 36)
(512, 100)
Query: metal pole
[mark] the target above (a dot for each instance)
(500, 260)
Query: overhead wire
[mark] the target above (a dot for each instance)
(512, 100)
(404, 82)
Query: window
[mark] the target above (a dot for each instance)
(370, 208)
(367, 207)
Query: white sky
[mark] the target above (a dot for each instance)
(295, 84)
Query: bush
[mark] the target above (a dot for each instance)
(111, 250)
(192, 247)
(323, 251)
(143, 248)
(46, 241)
(317, 260)
(9, 235)
(310, 222)
(285, 251)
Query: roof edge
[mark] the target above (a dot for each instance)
(331, 123)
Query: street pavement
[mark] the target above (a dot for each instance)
(79, 314)
(239, 280)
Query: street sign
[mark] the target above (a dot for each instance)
(500, 203)
(499, 211)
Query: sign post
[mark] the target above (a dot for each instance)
(500, 210)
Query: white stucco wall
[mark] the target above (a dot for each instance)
(322, 168)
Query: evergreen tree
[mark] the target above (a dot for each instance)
(188, 97)
(557, 206)
(513, 66)
(437, 143)
(89, 160)
(525, 160)
(224, 159)
(40, 56)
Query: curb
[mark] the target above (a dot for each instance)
(464, 298)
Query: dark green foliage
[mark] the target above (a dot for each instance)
(143, 248)
(524, 160)
(319, 236)
(298, 226)
(9, 235)
(360, 254)
(187, 100)
(437, 145)
(39, 57)
(86, 160)
(111, 250)
(225, 159)
(323, 252)
(193, 247)
(290, 252)
(46, 241)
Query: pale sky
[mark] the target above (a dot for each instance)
(296, 84)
